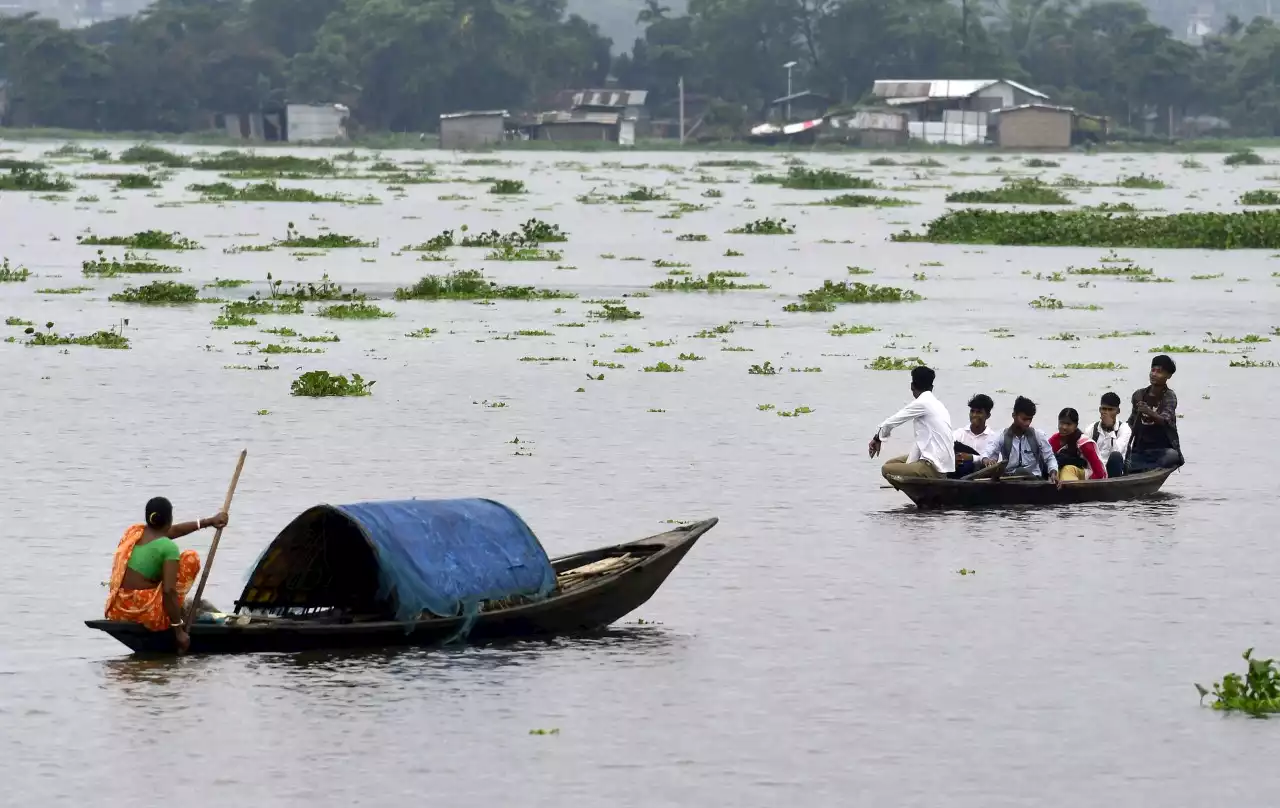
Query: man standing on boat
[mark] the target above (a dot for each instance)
(1024, 449)
(1154, 422)
(934, 453)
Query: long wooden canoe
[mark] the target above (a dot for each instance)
(593, 589)
(949, 493)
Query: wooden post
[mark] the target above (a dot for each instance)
(213, 548)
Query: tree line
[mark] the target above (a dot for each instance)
(400, 63)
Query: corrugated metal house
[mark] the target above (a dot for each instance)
(953, 110)
(871, 127)
(584, 125)
(631, 103)
(472, 129)
(295, 123)
(1033, 126)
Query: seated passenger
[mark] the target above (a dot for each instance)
(933, 453)
(1076, 453)
(976, 435)
(1154, 422)
(150, 577)
(1110, 434)
(1024, 449)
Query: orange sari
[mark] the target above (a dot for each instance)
(145, 606)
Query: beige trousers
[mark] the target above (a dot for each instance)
(899, 467)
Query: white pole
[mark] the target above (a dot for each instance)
(788, 93)
(682, 110)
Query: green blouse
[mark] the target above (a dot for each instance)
(149, 558)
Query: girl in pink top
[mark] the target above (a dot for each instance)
(1076, 452)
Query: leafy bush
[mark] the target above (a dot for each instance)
(1257, 693)
(28, 179)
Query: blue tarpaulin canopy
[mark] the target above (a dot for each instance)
(440, 556)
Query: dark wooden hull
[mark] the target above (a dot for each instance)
(948, 493)
(587, 608)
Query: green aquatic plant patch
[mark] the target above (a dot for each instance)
(765, 227)
(13, 164)
(610, 311)
(17, 321)
(143, 240)
(326, 241)
(158, 293)
(842, 330)
(255, 306)
(832, 293)
(1261, 197)
(1247, 339)
(765, 369)
(233, 320)
(64, 290)
(863, 201)
(354, 311)
(1252, 363)
(28, 179)
(508, 252)
(1037, 162)
(232, 160)
(1140, 181)
(1199, 230)
(136, 182)
(664, 367)
(691, 237)
(1256, 693)
(895, 363)
(1023, 192)
(274, 348)
(153, 155)
(131, 264)
(1244, 157)
(325, 290)
(321, 383)
(1125, 270)
(1094, 366)
(12, 274)
(818, 179)
(713, 282)
(267, 191)
(471, 284)
(111, 339)
(507, 187)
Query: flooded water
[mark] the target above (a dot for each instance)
(817, 648)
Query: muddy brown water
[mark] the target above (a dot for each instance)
(817, 648)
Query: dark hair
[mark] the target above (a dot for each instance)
(1111, 400)
(1024, 406)
(1071, 416)
(983, 402)
(159, 512)
(922, 378)
(1164, 362)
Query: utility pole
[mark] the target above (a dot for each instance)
(788, 66)
(964, 36)
(682, 110)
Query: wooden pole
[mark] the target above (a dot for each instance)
(213, 548)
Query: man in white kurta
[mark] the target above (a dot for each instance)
(934, 452)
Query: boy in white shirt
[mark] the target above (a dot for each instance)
(934, 452)
(976, 435)
(1110, 434)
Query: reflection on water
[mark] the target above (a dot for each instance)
(818, 647)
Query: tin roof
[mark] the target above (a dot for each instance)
(1020, 107)
(580, 116)
(802, 95)
(474, 113)
(921, 90)
(601, 98)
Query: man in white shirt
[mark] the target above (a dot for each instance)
(977, 435)
(1024, 449)
(1110, 434)
(934, 452)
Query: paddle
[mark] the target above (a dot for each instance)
(213, 548)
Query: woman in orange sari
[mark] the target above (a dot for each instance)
(150, 577)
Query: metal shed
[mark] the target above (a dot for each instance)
(472, 129)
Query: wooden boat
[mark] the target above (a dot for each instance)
(951, 493)
(323, 583)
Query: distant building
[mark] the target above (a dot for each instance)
(873, 128)
(294, 123)
(1033, 126)
(630, 103)
(472, 129)
(953, 110)
(584, 125)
